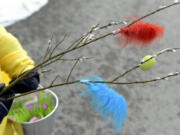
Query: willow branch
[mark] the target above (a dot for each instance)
(109, 82)
(112, 24)
(48, 48)
(82, 45)
(113, 81)
(83, 38)
(142, 62)
(153, 12)
(167, 50)
(51, 53)
(73, 67)
(54, 80)
(126, 72)
(42, 89)
(140, 82)
(65, 59)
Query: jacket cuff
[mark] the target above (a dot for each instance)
(3, 111)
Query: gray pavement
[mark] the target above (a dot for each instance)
(154, 108)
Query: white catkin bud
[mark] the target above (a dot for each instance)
(158, 78)
(49, 41)
(113, 23)
(162, 6)
(176, 1)
(171, 74)
(90, 36)
(116, 31)
(94, 26)
(82, 58)
(84, 81)
(164, 50)
(173, 50)
(124, 22)
(142, 61)
(97, 28)
(166, 79)
(177, 73)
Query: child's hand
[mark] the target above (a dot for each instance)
(28, 83)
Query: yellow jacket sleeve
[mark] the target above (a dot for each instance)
(10, 54)
(13, 58)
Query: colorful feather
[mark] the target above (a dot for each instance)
(140, 34)
(106, 101)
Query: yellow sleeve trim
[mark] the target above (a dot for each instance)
(3, 125)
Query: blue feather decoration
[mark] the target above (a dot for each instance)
(106, 101)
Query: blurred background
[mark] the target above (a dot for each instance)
(154, 108)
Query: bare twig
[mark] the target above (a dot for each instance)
(88, 35)
(45, 71)
(167, 50)
(82, 38)
(126, 72)
(74, 65)
(48, 48)
(75, 42)
(65, 59)
(41, 89)
(57, 45)
(153, 12)
(113, 23)
(140, 82)
(54, 80)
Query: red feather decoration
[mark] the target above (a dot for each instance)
(140, 33)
